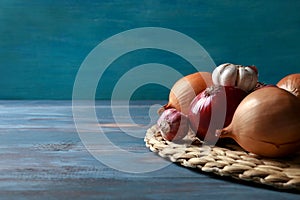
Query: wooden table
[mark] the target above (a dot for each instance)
(43, 157)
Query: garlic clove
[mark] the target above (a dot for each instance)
(225, 75)
(247, 78)
(229, 76)
(216, 74)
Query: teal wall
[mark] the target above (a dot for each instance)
(43, 43)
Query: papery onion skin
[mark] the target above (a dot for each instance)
(266, 123)
(291, 83)
(222, 100)
(185, 90)
(173, 125)
(260, 85)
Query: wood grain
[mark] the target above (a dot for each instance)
(42, 157)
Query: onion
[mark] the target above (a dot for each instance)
(260, 85)
(266, 123)
(213, 109)
(173, 125)
(291, 83)
(185, 90)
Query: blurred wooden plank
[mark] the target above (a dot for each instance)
(42, 156)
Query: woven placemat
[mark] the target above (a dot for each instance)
(228, 160)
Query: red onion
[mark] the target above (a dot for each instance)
(213, 109)
(173, 125)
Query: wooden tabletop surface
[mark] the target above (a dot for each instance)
(43, 157)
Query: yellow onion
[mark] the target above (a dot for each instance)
(185, 90)
(291, 83)
(266, 123)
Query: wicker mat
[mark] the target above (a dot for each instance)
(228, 160)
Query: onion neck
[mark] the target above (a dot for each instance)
(224, 133)
(209, 91)
(161, 109)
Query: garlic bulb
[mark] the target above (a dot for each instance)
(243, 77)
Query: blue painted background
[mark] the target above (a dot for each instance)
(43, 43)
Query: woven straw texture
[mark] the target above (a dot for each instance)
(228, 160)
